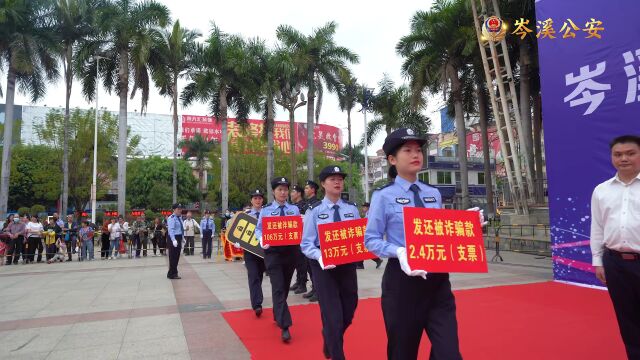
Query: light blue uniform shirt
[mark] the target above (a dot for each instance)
(385, 215)
(323, 214)
(253, 212)
(273, 209)
(174, 226)
(208, 224)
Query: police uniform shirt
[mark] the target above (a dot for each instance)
(322, 212)
(253, 212)
(385, 214)
(174, 226)
(273, 209)
(207, 224)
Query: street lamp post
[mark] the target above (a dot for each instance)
(94, 184)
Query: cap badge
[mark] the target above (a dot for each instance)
(409, 132)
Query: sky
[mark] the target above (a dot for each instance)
(369, 29)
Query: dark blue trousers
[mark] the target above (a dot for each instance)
(255, 272)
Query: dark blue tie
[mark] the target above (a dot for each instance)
(336, 213)
(416, 195)
(281, 210)
(257, 214)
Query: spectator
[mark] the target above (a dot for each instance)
(15, 230)
(139, 229)
(51, 235)
(114, 238)
(189, 225)
(158, 236)
(61, 251)
(104, 239)
(86, 240)
(70, 232)
(34, 231)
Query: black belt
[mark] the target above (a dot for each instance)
(629, 256)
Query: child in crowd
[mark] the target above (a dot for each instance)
(62, 251)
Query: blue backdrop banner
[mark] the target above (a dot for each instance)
(589, 53)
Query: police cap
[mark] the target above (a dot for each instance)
(399, 138)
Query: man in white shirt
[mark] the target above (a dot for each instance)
(615, 238)
(190, 226)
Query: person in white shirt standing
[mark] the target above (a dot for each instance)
(34, 239)
(615, 238)
(190, 226)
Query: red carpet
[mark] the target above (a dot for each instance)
(536, 321)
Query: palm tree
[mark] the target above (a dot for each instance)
(128, 31)
(291, 98)
(435, 53)
(223, 76)
(198, 148)
(275, 68)
(28, 50)
(348, 98)
(74, 23)
(172, 59)
(320, 62)
(392, 110)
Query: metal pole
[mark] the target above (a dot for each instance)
(366, 159)
(95, 148)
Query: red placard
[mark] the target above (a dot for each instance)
(166, 212)
(444, 240)
(281, 230)
(111, 213)
(343, 242)
(137, 213)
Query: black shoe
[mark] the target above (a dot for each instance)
(378, 263)
(294, 286)
(309, 294)
(301, 289)
(314, 297)
(325, 350)
(175, 277)
(286, 335)
(258, 311)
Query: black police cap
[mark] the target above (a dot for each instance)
(399, 138)
(312, 184)
(177, 206)
(331, 170)
(257, 192)
(275, 182)
(297, 188)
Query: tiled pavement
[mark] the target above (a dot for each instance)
(125, 309)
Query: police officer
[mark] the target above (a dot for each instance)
(336, 286)
(254, 263)
(208, 227)
(175, 243)
(311, 194)
(302, 266)
(280, 261)
(412, 300)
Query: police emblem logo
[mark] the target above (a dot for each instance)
(409, 132)
(323, 216)
(275, 213)
(336, 169)
(283, 180)
(402, 201)
(493, 29)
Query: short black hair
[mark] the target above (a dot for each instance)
(625, 139)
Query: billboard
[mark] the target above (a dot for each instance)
(327, 139)
(590, 76)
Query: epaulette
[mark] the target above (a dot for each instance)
(269, 204)
(384, 186)
(314, 205)
(351, 203)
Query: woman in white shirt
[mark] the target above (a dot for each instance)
(114, 238)
(34, 239)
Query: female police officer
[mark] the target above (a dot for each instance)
(279, 260)
(337, 287)
(412, 300)
(254, 263)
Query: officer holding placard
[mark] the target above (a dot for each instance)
(280, 261)
(336, 286)
(254, 263)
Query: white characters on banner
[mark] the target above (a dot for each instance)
(633, 74)
(586, 85)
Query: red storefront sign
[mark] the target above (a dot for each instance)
(327, 139)
(444, 240)
(281, 230)
(343, 242)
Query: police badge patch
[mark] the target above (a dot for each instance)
(402, 201)
(430, 199)
(322, 216)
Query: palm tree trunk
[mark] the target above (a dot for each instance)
(123, 88)
(537, 143)
(525, 106)
(224, 182)
(8, 139)
(175, 140)
(352, 189)
(292, 143)
(484, 132)
(311, 99)
(456, 92)
(270, 156)
(68, 75)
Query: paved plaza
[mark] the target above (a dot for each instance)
(128, 309)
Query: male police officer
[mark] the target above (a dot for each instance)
(280, 261)
(311, 194)
(302, 266)
(208, 227)
(175, 243)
